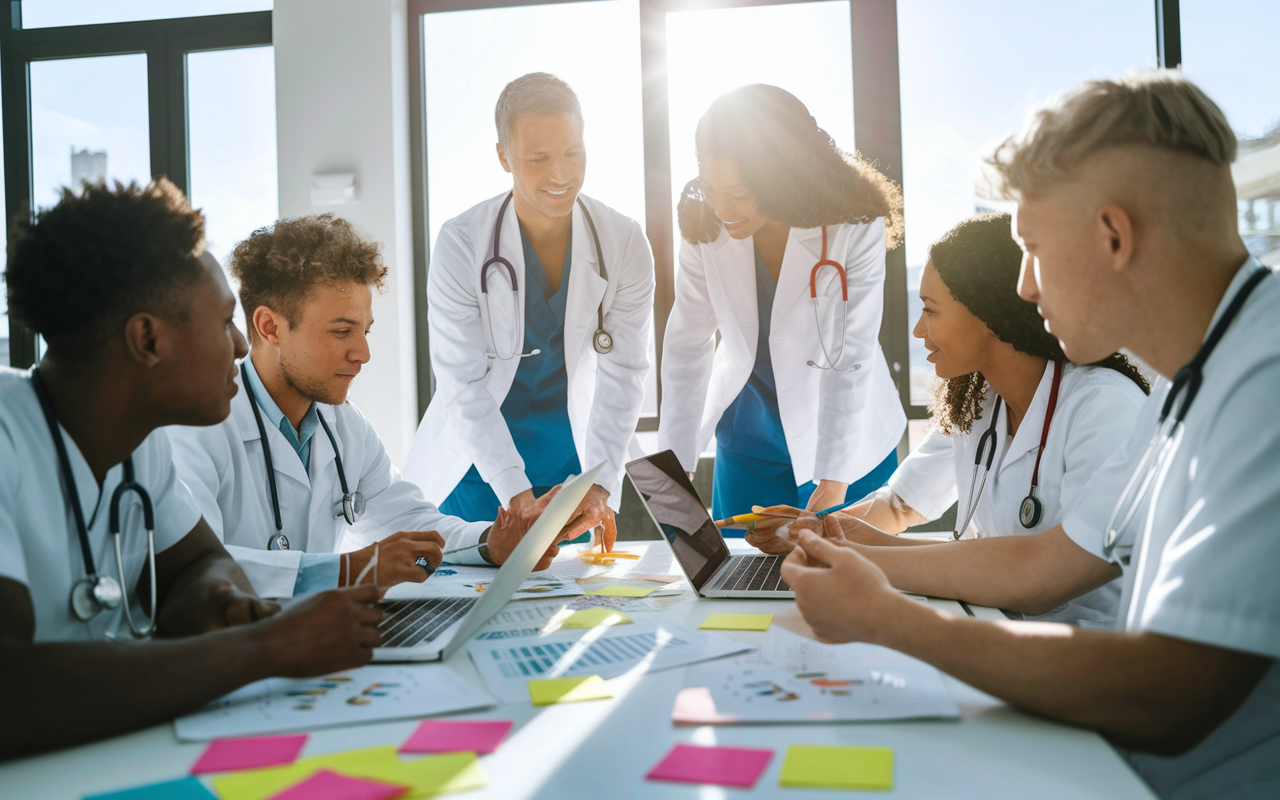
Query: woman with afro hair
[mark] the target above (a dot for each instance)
(772, 344)
(1051, 422)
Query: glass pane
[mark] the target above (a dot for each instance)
(231, 134)
(602, 66)
(1222, 50)
(970, 72)
(805, 48)
(88, 122)
(56, 13)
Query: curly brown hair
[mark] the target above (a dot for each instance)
(798, 175)
(279, 265)
(99, 256)
(979, 261)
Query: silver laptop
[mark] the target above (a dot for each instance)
(699, 547)
(432, 629)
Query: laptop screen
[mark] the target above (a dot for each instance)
(680, 515)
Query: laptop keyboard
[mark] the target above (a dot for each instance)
(409, 623)
(756, 573)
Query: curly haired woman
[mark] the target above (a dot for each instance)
(1000, 372)
(784, 258)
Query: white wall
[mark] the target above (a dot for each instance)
(342, 104)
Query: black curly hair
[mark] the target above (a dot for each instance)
(798, 175)
(99, 256)
(978, 260)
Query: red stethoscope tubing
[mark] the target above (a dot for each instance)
(826, 262)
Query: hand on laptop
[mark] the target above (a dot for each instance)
(321, 633)
(511, 526)
(396, 556)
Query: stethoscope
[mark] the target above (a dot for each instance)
(823, 261)
(93, 593)
(1031, 510)
(350, 508)
(1161, 446)
(602, 340)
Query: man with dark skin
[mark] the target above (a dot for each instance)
(139, 328)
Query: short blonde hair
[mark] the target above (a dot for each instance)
(537, 94)
(1156, 107)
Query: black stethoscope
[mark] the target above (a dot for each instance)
(350, 508)
(93, 593)
(1160, 448)
(1031, 510)
(602, 340)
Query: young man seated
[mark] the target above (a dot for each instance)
(99, 540)
(1127, 215)
(296, 475)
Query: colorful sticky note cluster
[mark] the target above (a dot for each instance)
(625, 591)
(453, 772)
(227, 755)
(451, 735)
(837, 767)
(328, 785)
(737, 622)
(726, 766)
(182, 789)
(591, 617)
(546, 691)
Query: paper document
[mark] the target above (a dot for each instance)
(608, 652)
(367, 694)
(458, 581)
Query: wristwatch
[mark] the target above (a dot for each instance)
(483, 549)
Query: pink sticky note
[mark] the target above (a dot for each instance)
(726, 766)
(451, 735)
(226, 755)
(328, 785)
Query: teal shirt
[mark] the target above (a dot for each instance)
(318, 571)
(299, 440)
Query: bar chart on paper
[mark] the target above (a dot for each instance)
(508, 665)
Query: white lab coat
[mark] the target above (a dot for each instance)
(1096, 409)
(224, 467)
(463, 425)
(856, 415)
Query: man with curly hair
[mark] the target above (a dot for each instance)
(296, 481)
(1127, 217)
(138, 322)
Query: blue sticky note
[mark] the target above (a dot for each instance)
(187, 788)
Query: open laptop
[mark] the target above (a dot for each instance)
(699, 547)
(432, 629)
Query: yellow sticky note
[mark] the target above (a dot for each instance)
(591, 617)
(568, 690)
(837, 767)
(625, 591)
(425, 777)
(737, 622)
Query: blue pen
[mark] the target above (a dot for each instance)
(834, 509)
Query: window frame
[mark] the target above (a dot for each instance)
(165, 42)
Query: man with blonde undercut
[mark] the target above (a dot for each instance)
(1127, 216)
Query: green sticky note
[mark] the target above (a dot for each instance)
(425, 777)
(591, 617)
(837, 767)
(625, 591)
(737, 622)
(568, 690)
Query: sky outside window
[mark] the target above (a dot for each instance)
(57, 13)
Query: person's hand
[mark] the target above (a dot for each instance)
(511, 526)
(325, 632)
(593, 513)
(228, 606)
(828, 494)
(396, 556)
(843, 596)
(777, 536)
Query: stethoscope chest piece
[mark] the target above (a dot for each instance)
(1031, 510)
(92, 593)
(351, 507)
(602, 341)
(278, 542)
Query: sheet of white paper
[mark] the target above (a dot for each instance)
(463, 581)
(520, 619)
(615, 603)
(794, 679)
(507, 667)
(366, 694)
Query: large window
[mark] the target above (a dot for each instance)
(1227, 48)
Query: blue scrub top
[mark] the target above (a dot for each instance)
(536, 408)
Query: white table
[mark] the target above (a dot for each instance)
(602, 749)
